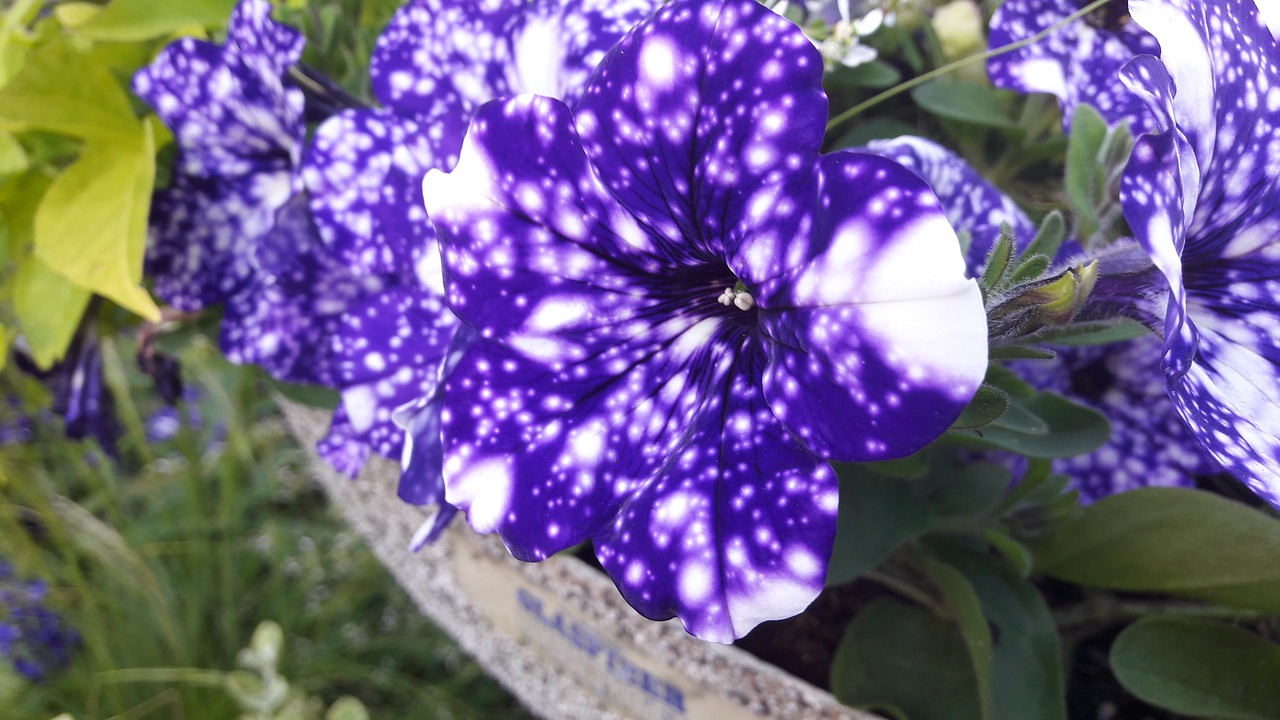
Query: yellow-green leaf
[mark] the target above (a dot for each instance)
(13, 159)
(14, 38)
(49, 308)
(62, 91)
(92, 224)
(134, 20)
(75, 14)
(6, 337)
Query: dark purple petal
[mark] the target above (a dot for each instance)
(692, 108)
(364, 174)
(229, 110)
(734, 529)
(880, 339)
(343, 447)
(84, 401)
(253, 39)
(1078, 63)
(284, 319)
(439, 61)
(1158, 193)
(203, 232)
(972, 204)
(546, 455)
(387, 352)
(266, 326)
(1150, 445)
(422, 462)
(1202, 198)
(549, 249)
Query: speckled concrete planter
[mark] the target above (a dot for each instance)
(556, 633)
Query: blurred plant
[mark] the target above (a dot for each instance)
(168, 558)
(33, 637)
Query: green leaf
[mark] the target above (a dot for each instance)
(14, 40)
(987, 404)
(13, 159)
(997, 261)
(976, 103)
(876, 128)
(347, 708)
(1199, 667)
(892, 651)
(877, 515)
(1014, 552)
(91, 226)
(1019, 353)
(875, 74)
(134, 20)
(1008, 381)
(963, 602)
(1085, 175)
(49, 308)
(1027, 677)
(62, 91)
(7, 334)
(1044, 426)
(970, 490)
(1030, 267)
(1049, 237)
(1102, 332)
(1171, 540)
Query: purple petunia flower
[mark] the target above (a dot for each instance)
(35, 639)
(1078, 63)
(683, 310)
(1201, 196)
(80, 395)
(433, 65)
(239, 131)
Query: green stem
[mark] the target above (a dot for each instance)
(962, 62)
(905, 589)
(1104, 610)
(189, 676)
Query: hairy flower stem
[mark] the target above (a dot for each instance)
(836, 121)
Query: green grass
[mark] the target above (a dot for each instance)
(167, 560)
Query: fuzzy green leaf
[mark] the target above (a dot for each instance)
(877, 514)
(1171, 540)
(987, 405)
(970, 102)
(1085, 175)
(966, 609)
(1027, 677)
(1200, 668)
(891, 651)
(1045, 425)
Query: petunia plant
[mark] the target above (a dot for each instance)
(958, 317)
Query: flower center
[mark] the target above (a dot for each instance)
(738, 297)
